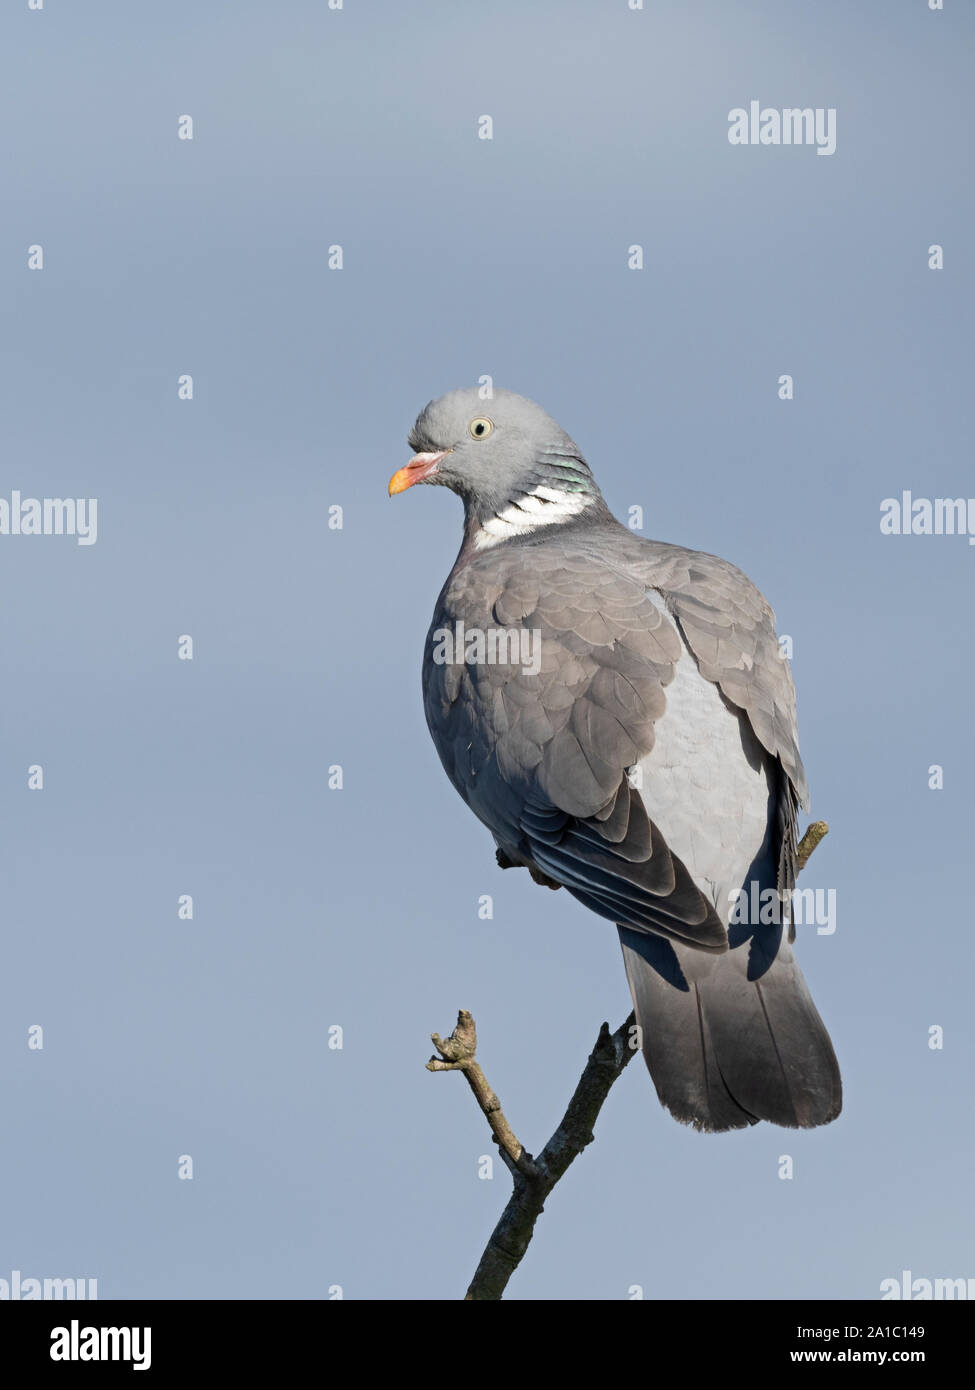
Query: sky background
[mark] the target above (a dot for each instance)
(314, 1167)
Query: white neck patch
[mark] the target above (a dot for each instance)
(543, 506)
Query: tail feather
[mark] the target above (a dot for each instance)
(726, 1050)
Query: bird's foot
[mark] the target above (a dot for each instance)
(506, 862)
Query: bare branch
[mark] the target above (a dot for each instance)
(533, 1178)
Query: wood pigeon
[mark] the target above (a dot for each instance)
(618, 713)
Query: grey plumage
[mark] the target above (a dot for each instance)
(648, 762)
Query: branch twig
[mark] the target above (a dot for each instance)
(457, 1054)
(534, 1178)
(815, 832)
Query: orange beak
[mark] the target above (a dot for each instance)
(419, 468)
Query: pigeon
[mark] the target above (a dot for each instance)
(618, 713)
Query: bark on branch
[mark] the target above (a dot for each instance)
(815, 832)
(534, 1178)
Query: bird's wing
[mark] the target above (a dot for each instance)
(730, 629)
(542, 755)
(734, 1038)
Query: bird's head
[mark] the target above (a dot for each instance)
(514, 467)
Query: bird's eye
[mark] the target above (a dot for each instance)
(480, 428)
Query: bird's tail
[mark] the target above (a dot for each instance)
(731, 1039)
